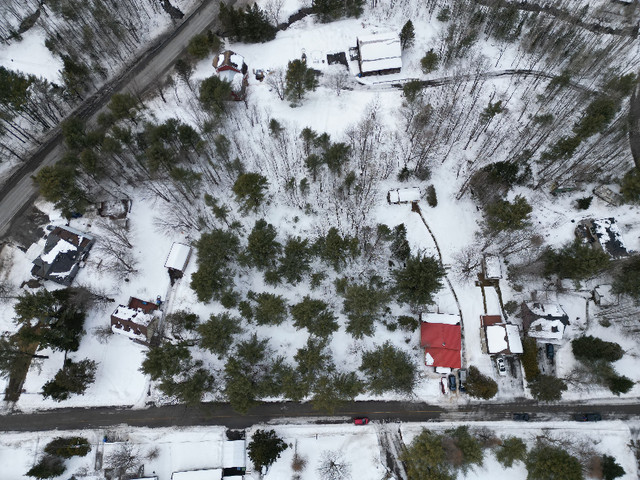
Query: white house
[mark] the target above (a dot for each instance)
(380, 54)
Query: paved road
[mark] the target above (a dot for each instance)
(19, 192)
(222, 414)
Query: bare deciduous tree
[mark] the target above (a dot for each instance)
(115, 249)
(333, 466)
(277, 81)
(337, 78)
(122, 462)
(272, 8)
(467, 262)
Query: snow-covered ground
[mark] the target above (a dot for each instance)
(163, 451)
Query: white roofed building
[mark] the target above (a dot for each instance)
(403, 195)
(544, 321)
(177, 260)
(379, 54)
(231, 68)
(208, 474)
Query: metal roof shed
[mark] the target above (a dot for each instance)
(178, 257)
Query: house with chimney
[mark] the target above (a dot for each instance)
(231, 68)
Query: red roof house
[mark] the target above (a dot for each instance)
(231, 68)
(442, 343)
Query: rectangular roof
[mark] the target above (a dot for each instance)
(492, 267)
(178, 256)
(380, 52)
(446, 318)
(503, 338)
(209, 474)
(442, 343)
(233, 454)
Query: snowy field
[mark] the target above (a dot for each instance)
(164, 451)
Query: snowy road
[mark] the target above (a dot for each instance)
(19, 191)
(222, 414)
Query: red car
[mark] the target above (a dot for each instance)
(361, 421)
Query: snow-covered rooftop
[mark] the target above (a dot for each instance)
(380, 52)
(548, 310)
(446, 318)
(513, 338)
(132, 315)
(547, 329)
(404, 195)
(608, 234)
(233, 454)
(496, 338)
(178, 256)
(209, 474)
(492, 268)
(59, 248)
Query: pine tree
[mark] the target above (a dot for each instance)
(296, 260)
(265, 448)
(214, 93)
(576, 260)
(250, 191)
(73, 377)
(627, 279)
(336, 249)
(67, 447)
(312, 360)
(315, 316)
(299, 80)
(216, 250)
(479, 385)
(419, 280)
(216, 335)
(400, 248)
(270, 309)
(546, 388)
(48, 467)
(504, 215)
(407, 35)
(511, 449)
(548, 462)
(331, 391)
(262, 247)
(425, 458)
(388, 369)
(610, 468)
(166, 360)
(363, 305)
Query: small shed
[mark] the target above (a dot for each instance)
(403, 195)
(379, 54)
(603, 296)
(177, 260)
(491, 267)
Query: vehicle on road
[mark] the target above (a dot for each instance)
(550, 351)
(502, 368)
(587, 417)
(443, 385)
(521, 417)
(361, 420)
(452, 382)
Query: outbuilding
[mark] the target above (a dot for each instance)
(177, 260)
(379, 54)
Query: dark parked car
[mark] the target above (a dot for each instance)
(521, 417)
(361, 420)
(452, 382)
(462, 378)
(550, 351)
(587, 417)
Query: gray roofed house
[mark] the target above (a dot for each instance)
(64, 250)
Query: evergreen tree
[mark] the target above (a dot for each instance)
(124, 106)
(249, 25)
(576, 260)
(546, 388)
(425, 458)
(296, 261)
(419, 280)
(265, 448)
(610, 468)
(336, 249)
(468, 446)
(363, 305)
(262, 247)
(216, 335)
(189, 387)
(14, 88)
(67, 447)
(593, 348)
(619, 384)
(388, 369)
(400, 248)
(315, 316)
(216, 250)
(10, 353)
(270, 309)
(166, 360)
(336, 156)
(299, 80)
(312, 360)
(407, 35)
(329, 10)
(331, 391)
(504, 215)
(630, 186)
(214, 92)
(73, 377)
(250, 190)
(48, 467)
(627, 279)
(202, 45)
(57, 184)
(511, 449)
(429, 62)
(550, 462)
(479, 385)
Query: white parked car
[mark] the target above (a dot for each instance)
(502, 369)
